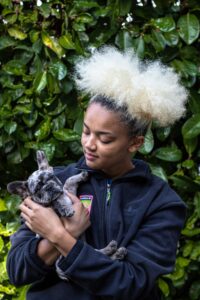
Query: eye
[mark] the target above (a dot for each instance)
(106, 142)
(86, 131)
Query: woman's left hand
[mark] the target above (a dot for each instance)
(41, 220)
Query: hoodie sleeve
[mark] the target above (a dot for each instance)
(23, 265)
(151, 253)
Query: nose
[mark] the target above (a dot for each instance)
(90, 143)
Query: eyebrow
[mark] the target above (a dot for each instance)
(100, 132)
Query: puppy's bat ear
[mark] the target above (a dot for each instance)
(42, 161)
(19, 188)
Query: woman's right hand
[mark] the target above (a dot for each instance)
(80, 221)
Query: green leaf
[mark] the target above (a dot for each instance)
(124, 40)
(184, 183)
(40, 81)
(188, 28)
(30, 118)
(125, 7)
(18, 156)
(2, 206)
(163, 286)
(139, 46)
(188, 164)
(158, 40)
(9, 289)
(82, 4)
(190, 145)
(1, 244)
(197, 203)
(187, 249)
(17, 33)
(3, 271)
(10, 127)
(4, 231)
(59, 122)
(66, 41)
(76, 148)
(163, 133)
(168, 154)
(52, 85)
(6, 41)
(66, 135)
(191, 128)
(84, 18)
(78, 125)
(21, 293)
(194, 103)
(165, 24)
(58, 70)
(43, 129)
(158, 171)
(195, 251)
(171, 38)
(148, 145)
(15, 67)
(52, 43)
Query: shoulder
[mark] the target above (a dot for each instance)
(159, 191)
(64, 172)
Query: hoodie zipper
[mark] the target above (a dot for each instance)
(108, 192)
(107, 208)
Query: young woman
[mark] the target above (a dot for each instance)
(128, 203)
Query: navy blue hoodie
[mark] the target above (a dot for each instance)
(143, 214)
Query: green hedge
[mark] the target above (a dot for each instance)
(40, 109)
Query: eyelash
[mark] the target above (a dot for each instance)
(108, 142)
(87, 133)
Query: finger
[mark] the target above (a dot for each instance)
(73, 198)
(24, 208)
(30, 203)
(25, 217)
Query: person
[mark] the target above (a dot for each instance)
(128, 203)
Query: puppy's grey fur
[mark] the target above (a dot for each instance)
(46, 189)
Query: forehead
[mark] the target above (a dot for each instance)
(99, 116)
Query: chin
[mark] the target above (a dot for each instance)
(92, 164)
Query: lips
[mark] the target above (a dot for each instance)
(90, 156)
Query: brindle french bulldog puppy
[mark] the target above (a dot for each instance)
(46, 189)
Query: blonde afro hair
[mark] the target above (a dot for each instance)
(150, 91)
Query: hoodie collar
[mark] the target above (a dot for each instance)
(141, 170)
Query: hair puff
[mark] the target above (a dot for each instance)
(150, 91)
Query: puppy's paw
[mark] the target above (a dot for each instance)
(119, 254)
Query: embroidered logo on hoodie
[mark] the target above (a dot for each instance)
(86, 200)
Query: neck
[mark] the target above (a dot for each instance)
(116, 172)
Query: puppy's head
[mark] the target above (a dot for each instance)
(44, 186)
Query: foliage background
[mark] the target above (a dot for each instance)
(40, 109)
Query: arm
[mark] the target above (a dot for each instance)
(30, 258)
(23, 266)
(151, 253)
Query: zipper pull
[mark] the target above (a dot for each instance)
(108, 191)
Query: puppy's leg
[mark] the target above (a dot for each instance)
(71, 184)
(42, 161)
(63, 206)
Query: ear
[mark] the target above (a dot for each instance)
(135, 143)
(42, 160)
(19, 188)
